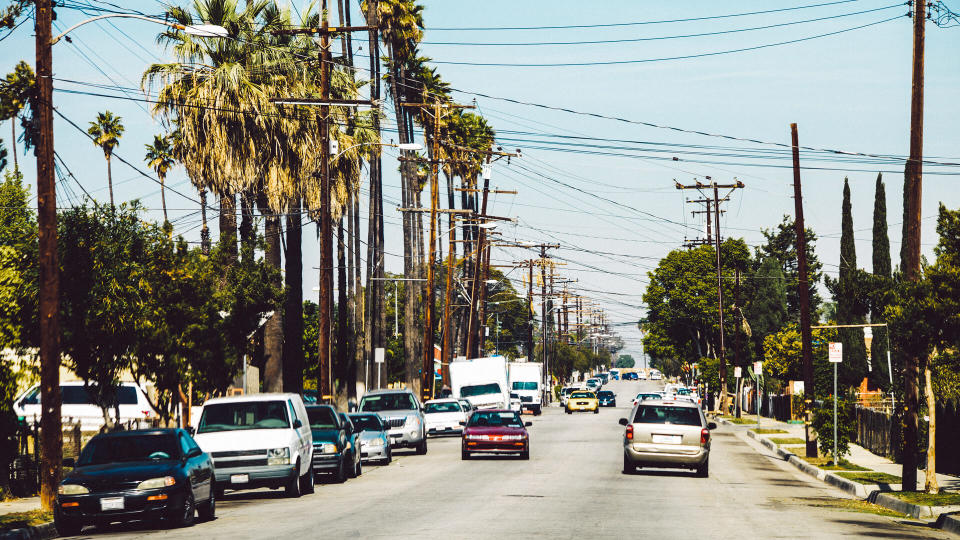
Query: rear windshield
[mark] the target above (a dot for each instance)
(582, 395)
(606, 393)
(322, 418)
(366, 422)
(479, 390)
(130, 448)
(524, 385)
(388, 402)
(665, 414)
(495, 419)
(244, 415)
(446, 406)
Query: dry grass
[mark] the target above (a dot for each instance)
(17, 520)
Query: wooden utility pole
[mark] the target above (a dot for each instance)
(913, 192)
(51, 436)
(803, 293)
(530, 312)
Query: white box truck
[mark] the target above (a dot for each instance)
(482, 381)
(526, 380)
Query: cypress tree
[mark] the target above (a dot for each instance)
(881, 273)
(846, 292)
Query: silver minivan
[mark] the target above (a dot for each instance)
(666, 433)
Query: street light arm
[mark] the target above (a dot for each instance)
(204, 30)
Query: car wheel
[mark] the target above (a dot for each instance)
(292, 488)
(422, 447)
(389, 457)
(464, 455)
(67, 527)
(629, 467)
(569, 411)
(359, 468)
(209, 509)
(219, 491)
(596, 411)
(340, 476)
(352, 470)
(525, 455)
(186, 515)
(703, 471)
(307, 482)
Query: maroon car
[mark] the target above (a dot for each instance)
(495, 432)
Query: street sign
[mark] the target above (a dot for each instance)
(378, 355)
(758, 368)
(736, 372)
(835, 352)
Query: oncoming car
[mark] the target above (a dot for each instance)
(672, 434)
(582, 400)
(495, 432)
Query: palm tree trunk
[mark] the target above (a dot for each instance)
(293, 308)
(247, 232)
(110, 181)
(204, 230)
(273, 329)
(344, 372)
(352, 318)
(163, 197)
(228, 225)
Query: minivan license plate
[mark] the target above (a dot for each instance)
(239, 478)
(111, 503)
(667, 439)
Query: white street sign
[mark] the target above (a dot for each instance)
(758, 368)
(836, 352)
(736, 372)
(378, 355)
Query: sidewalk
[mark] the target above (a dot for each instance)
(20, 505)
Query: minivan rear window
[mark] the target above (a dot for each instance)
(665, 414)
(78, 395)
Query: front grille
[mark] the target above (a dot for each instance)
(111, 486)
(236, 463)
(238, 453)
(526, 399)
(396, 422)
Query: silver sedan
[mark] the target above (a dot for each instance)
(373, 438)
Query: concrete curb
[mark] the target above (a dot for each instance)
(949, 523)
(39, 532)
(915, 510)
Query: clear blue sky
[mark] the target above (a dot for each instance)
(849, 91)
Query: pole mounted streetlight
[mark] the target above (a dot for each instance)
(197, 30)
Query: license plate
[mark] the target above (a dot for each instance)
(239, 478)
(111, 503)
(667, 439)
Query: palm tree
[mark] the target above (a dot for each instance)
(106, 131)
(159, 157)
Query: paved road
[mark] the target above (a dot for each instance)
(571, 488)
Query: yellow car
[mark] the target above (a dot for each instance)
(581, 400)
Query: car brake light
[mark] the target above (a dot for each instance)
(704, 436)
(629, 432)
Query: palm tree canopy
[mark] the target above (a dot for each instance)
(159, 156)
(106, 131)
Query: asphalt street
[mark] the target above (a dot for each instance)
(572, 487)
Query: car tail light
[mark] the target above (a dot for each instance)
(704, 436)
(629, 432)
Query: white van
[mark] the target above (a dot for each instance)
(78, 407)
(258, 440)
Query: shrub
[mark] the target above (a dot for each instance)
(846, 426)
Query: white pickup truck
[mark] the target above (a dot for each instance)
(481, 381)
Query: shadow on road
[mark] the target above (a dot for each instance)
(663, 472)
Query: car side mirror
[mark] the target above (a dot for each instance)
(711, 425)
(194, 452)
(191, 430)
(297, 424)
(624, 421)
(69, 462)
(462, 423)
(527, 424)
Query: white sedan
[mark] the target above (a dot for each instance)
(444, 416)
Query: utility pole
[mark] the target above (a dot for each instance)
(736, 345)
(51, 435)
(913, 192)
(543, 319)
(530, 312)
(803, 292)
(721, 355)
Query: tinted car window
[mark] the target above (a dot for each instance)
(524, 385)
(78, 395)
(450, 406)
(129, 448)
(665, 414)
(322, 418)
(605, 393)
(582, 395)
(495, 419)
(244, 415)
(388, 402)
(367, 422)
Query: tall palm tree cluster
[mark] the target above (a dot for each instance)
(257, 157)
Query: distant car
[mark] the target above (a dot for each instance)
(582, 400)
(444, 417)
(136, 475)
(646, 395)
(372, 438)
(78, 405)
(604, 378)
(593, 384)
(403, 414)
(666, 434)
(516, 404)
(495, 432)
(655, 376)
(332, 443)
(607, 398)
(630, 376)
(565, 393)
(468, 407)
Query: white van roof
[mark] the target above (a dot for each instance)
(252, 397)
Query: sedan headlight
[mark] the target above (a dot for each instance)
(475, 437)
(278, 456)
(72, 489)
(373, 442)
(329, 448)
(157, 483)
(513, 437)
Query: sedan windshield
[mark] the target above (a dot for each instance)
(606, 393)
(322, 418)
(443, 407)
(244, 415)
(388, 402)
(479, 390)
(495, 419)
(366, 422)
(665, 414)
(129, 448)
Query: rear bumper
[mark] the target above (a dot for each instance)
(444, 430)
(664, 455)
(573, 407)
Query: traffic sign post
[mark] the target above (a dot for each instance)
(757, 373)
(835, 356)
(378, 356)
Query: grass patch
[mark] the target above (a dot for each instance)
(826, 464)
(855, 505)
(870, 477)
(735, 420)
(944, 498)
(16, 520)
(768, 431)
(787, 440)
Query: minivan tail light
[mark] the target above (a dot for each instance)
(704, 436)
(629, 432)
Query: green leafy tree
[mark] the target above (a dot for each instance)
(625, 361)
(766, 311)
(846, 426)
(105, 132)
(781, 244)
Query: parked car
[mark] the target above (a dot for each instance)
(516, 404)
(468, 407)
(630, 376)
(582, 400)
(444, 417)
(666, 434)
(606, 398)
(78, 405)
(646, 395)
(332, 439)
(372, 438)
(136, 475)
(495, 432)
(258, 440)
(403, 414)
(594, 384)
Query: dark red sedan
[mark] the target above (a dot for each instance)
(495, 432)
